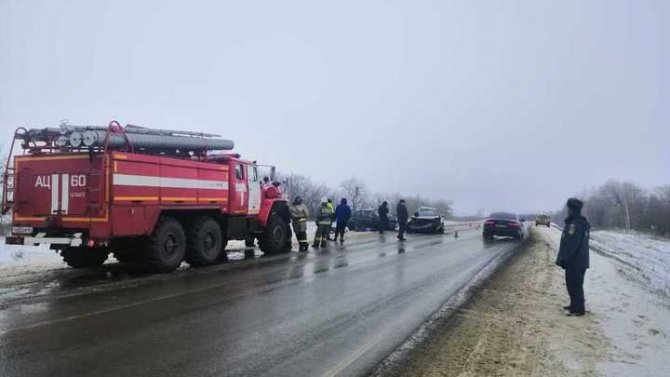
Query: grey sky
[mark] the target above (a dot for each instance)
(492, 104)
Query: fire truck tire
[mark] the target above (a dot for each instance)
(204, 242)
(84, 257)
(273, 240)
(166, 246)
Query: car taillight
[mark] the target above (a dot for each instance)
(513, 224)
(489, 222)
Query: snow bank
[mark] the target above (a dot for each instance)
(624, 291)
(12, 256)
(648, 255)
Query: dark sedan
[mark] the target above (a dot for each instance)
(426, 220)
(368, 219)
(504, 224)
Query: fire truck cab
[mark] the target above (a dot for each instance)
(151, 206)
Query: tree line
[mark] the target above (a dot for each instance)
(356, 192)
(626, 205)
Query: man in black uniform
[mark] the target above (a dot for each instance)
(383, 213)
(573, 255)
(401, 212)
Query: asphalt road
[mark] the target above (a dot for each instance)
(326, 313)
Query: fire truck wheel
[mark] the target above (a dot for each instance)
(167, 246)
(273, 240)
(84, 257)
(203, 242)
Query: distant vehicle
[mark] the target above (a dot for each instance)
(505, 225)
(368, 219)
(426, 220)
(543, 219)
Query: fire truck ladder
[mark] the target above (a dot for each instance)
(101, 174)
(9, 175)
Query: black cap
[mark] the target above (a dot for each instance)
(575, 203)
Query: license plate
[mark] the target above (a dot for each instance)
(501, 226)
(22, 230)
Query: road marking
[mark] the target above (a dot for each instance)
(344, 364)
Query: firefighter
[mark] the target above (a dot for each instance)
(383, 213)
(332, 208)
(299, 215)
(573, 255)
(323, 221)
(401, 212)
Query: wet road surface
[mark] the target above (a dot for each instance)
(332, 312)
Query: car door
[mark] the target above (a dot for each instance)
(239, 197)
(254, 190)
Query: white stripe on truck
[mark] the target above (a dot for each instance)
(54, 194)
(151, 181)
(65, 193)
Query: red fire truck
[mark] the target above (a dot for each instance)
(150, 197)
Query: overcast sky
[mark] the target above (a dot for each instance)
(492, 104)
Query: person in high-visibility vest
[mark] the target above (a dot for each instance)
(332, 208)
(299, 215)
(323, 221)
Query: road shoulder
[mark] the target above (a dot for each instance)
(514, 326)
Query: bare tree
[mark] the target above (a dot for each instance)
(356, 191)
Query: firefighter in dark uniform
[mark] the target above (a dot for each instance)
(299, 215)
(573, 255)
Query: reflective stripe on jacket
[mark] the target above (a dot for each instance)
(325, 215)
(299, 215)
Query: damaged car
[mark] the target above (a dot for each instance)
(426, 220)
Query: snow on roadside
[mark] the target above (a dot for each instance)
(634, 318)
(20, 256)
(649, 255)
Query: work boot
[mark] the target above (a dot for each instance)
(315, 245)
(324, 244)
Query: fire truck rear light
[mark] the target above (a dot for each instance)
(90, 243)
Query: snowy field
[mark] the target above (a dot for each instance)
(626, 290)
(648, 255)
